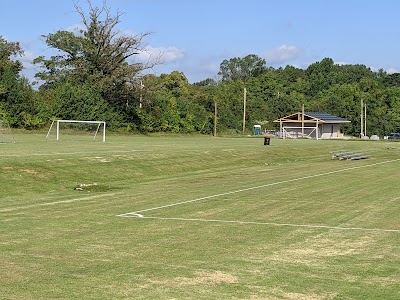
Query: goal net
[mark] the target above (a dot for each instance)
(299, 132)
(77, 130)
(6, 136)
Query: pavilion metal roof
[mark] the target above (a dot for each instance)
(320, 117)
(325, 117)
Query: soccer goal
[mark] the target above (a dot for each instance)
(299, 132)
(6, 135)
(74, 129)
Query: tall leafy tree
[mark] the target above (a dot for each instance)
(321, 75)
(230, 106)
(242, 68)
(9, 68)
(98, 55)
(17, 99)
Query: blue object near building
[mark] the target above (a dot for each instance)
(257, 129)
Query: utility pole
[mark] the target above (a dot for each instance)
(302, 120)
(365, 118)
(244, 110)
(215, 118)
(362, 119)
(141, 92)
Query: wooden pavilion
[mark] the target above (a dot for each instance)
(318, 125)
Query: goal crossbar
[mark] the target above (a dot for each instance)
(286, 132)
(99, 123)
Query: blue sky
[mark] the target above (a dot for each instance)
(195, 36)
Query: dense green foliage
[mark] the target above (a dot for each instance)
(93, 77)
(17, 99)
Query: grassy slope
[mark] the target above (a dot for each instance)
(59, 243)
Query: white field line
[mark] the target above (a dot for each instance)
(265, 223)
(135, 213)
(69, 153)
(55, 202)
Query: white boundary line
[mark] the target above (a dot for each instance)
(256, 187)
(136, 214)
(70, 153)
(54, 203)
(265, 223)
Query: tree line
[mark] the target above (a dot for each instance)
(93, 76)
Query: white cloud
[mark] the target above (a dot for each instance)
(27, 61)
(208, 68)
(282, 54)
(29, 69)
(392, 70)
(28, 56)
(166, 55)
(170, 54)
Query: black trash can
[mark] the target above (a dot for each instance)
(267, 140)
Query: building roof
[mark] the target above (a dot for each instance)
(312, 117)
(326, 117)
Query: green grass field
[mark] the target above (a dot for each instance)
(194, 217)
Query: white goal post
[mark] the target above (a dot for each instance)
(6, 135)
(98, 124)
(299, 132)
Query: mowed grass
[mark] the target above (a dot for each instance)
(223, 218)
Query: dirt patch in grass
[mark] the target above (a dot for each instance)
(296, 296)
(318, 248)
(200, 278)
(29, 171)
(34, 173)
(12, 273)
(208, 278)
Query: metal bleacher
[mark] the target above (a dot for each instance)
(348, 155)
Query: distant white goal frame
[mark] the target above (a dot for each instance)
(299, 130)
(6, 135)
(99, 123)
